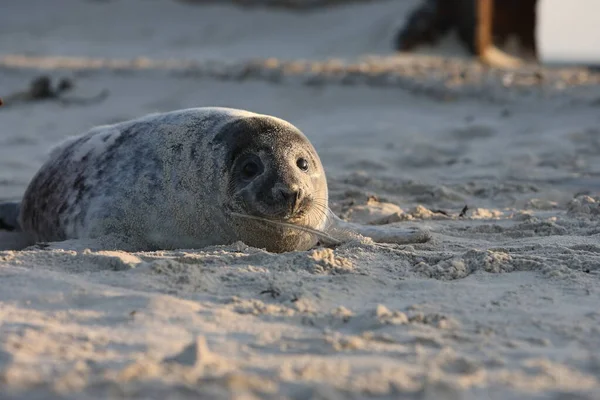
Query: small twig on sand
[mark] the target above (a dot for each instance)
(273, 292)
(463, 212)
(441, 212)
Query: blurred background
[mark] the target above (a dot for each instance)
(549, 31)
(554, 31)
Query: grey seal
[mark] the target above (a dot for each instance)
(187, 179)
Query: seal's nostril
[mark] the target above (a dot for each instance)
(285, 193)
(291, 195)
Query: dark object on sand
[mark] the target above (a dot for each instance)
(41, 88)
(480, 25)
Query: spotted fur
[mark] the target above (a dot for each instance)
(167, 181)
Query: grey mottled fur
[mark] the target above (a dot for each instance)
(162, 182)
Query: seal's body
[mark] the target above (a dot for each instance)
(173, 180)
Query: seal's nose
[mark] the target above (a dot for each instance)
(291, 196)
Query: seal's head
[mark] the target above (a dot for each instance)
(275, 175)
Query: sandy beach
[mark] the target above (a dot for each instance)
(502, 303)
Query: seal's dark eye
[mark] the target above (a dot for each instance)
(302, 164)
(250, 169)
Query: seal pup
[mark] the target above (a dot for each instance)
(187, 179)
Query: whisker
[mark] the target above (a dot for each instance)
(321, 235)
(319, 213)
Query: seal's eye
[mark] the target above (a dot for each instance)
(302, 164)
(250, 169)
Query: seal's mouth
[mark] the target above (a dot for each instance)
(288, 210)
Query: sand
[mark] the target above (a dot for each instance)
(501, 304)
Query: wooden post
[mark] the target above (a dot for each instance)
(484, 41)
(483, 27)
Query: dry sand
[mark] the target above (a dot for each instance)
(501, 304)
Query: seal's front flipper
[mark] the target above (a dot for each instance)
(9, 216)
